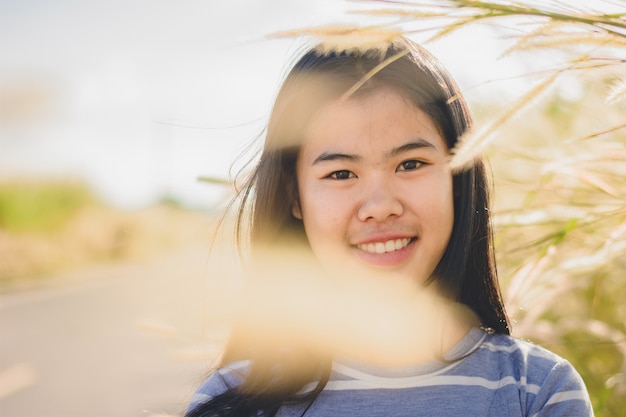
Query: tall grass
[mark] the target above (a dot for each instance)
(559, 172)
(561, 236)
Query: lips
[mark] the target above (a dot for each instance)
(387, 246)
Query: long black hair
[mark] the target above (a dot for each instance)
(466, 272)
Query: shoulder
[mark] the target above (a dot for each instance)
(551, 385)
(218, 382)
(529, 359)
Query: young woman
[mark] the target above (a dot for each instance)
(355, 169)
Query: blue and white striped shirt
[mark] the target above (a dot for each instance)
(498, 375)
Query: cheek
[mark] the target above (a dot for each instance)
(434, 202)
(324, 213)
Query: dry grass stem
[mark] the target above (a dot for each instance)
(373, 72)
(559, 39)
(613, 23)
(600, 133)
(352, 39)
(402, 13)
(618, 93)
(475, 143)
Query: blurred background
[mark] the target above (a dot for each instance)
(111, 112)
(137, 99)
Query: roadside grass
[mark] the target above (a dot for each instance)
(50, 227)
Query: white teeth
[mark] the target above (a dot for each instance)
(383, 247)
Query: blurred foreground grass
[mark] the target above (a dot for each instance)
(51, 226)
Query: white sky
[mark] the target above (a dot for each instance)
(140, 97)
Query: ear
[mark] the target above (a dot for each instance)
(294, 195)
(295, 210)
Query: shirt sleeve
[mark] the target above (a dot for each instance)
(213, 386)
(562, 393)
(218, 383)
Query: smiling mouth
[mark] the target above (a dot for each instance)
(385, 247)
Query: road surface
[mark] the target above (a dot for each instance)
(123, 340)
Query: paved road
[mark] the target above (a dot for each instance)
(121, 340)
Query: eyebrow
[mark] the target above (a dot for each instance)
(329, 156)
(418, 143)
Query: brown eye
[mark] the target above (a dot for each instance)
(409, 165)
(343, 174)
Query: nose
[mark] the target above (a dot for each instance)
(379, 202)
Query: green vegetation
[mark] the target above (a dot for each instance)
(37, 206)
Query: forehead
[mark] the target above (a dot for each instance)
(381, 119)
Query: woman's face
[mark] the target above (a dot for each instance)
(375, 189)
